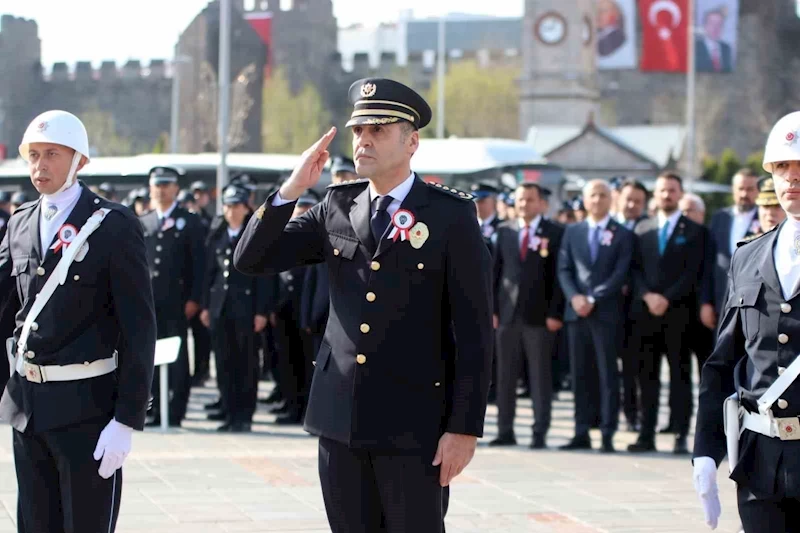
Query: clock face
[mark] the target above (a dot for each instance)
(586, 31)
(551, 28)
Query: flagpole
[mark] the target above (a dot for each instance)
(691, 76)
(442, 53)
(224, 80)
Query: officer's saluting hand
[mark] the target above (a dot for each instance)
(400, 386)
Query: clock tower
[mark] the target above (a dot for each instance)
(559, 78)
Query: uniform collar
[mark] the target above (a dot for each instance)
(168, 212)
(64, 198)
(398, 194)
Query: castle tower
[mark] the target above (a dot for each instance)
(559, 77)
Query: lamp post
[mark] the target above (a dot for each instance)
(223, 78)
(174, 127)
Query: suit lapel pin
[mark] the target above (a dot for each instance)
(543, 250)
(419, 234)
(181, 223)
(402, 221)
(607, 237)
(66, 234)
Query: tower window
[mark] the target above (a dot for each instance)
(287, 5)
(249, 5)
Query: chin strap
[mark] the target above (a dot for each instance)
(73, 169)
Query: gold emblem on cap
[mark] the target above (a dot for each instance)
(769, 184)
(368, 90)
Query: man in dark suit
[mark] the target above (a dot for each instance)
(529, 308)
(610, 27)
(593, 265)
(399, 391)
(667, 266)
(632, 201)
(176, 255)
(729, 226)
(83, 346)
(314, 304)
(235, 309)
(712, 54)
(755, 365)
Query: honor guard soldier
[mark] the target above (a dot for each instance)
(176, 255)
(400, 385)
(81, 354)
(754, 368)
(235, 309)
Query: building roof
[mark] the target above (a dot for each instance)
(657, 143)
(465, 156)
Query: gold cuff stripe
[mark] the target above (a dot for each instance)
(388, 102)
(383, 112)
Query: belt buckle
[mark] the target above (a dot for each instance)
(33, 373)
(788, 428)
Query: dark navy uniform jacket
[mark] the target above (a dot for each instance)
(176, 256)
(105, 304)
(759, 337)
(407, 349)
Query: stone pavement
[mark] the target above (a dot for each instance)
(194, 480)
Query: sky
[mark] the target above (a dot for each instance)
(97, 30)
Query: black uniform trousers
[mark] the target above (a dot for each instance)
(60, 490)
(774, 513)
(665, 335)
(380, 492)
(236, 356)
(179, 376)
(202, 347)
(295, 358)
(629, 356)
(592, 353)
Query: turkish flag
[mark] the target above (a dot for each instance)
(665, 26)
(262, 25)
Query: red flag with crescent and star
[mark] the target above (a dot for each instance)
(665, 26)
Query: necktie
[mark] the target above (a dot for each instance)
(662, 238)
(715, 59)
(594, 244)
(380, 218)
(50, 212)
(523, 249)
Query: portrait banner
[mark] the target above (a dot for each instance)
(615, 25)
(715, 45)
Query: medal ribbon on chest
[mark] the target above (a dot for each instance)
(66, 234)
(402, 221)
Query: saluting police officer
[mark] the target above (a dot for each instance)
(399, 391)
(175, 253)
(235, 308)
(756, 359)
(82, 350)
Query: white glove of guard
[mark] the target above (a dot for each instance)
(113, 446)
(705, 483)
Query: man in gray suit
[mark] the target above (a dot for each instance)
(593, 265)
(529, 308)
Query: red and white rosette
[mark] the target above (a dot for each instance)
(66, 234)
(403, 220)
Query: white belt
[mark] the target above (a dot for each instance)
(43, 374)
(777, 428)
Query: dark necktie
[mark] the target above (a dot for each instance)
(380, 218)
(594, 244)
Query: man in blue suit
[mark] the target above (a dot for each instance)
(593, 265)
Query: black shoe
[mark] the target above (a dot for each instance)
(524, 393)
(608, 444)
(642, 445)
(578, 442)
(289, 419)
(200, 380)
(240, 427)
(175, 422)
(680, 446)
(669, 428)
(279, 409)
(633, 427)
(153, 422)
(216, 406)
(538, 443)
(225, 428)
(274, 397)
(219, 416)
(504, 440)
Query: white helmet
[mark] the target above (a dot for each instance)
(783, 143)
(58, 127)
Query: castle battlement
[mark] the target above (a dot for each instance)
(157, 69)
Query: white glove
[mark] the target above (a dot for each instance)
(705, 483)
(113, 446)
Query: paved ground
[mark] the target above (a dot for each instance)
(196, 480)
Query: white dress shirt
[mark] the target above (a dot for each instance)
(163, 215)
(532, 227)
(739, 226)
(233, 233)
(592, 225)
(672, 220)
(64, 201)
(787, 260)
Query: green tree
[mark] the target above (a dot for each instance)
(162, 144)
(104, 138)
(479, 102)
(710, 168)
(729, 165)
(754, 162)
(291, 122)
